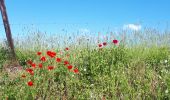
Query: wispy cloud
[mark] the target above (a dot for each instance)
(84, 30)
(133, 27)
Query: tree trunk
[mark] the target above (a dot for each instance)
(13, 66)
(7, 29)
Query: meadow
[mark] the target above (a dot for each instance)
(130, 65)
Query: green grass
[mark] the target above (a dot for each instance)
(132, 71)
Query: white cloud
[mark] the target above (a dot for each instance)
(133, 27)
(84, 30)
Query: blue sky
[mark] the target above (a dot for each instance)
(94, 15)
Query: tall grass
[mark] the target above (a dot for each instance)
(137, 68)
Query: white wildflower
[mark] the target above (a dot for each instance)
(160, 77)
(92, 85)
(84, 69)
(166, 91)
(72, 75)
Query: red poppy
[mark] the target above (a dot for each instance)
(43, 58)
(115, 41)
(33, 65)
(30, 71)
(104, 43)
(40, 65)
(67, 48)
(51, 54)
(50, 67)
(66, 62)
(48, 53)
(100, 45)
(39, 53)
(30, 83)
(23, 76)
(70, 67)
(58, 59)
(76, 71)
(29, 62)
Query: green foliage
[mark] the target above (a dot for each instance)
(4, 53)
(116, 72)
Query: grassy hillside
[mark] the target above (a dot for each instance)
(135, 68)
